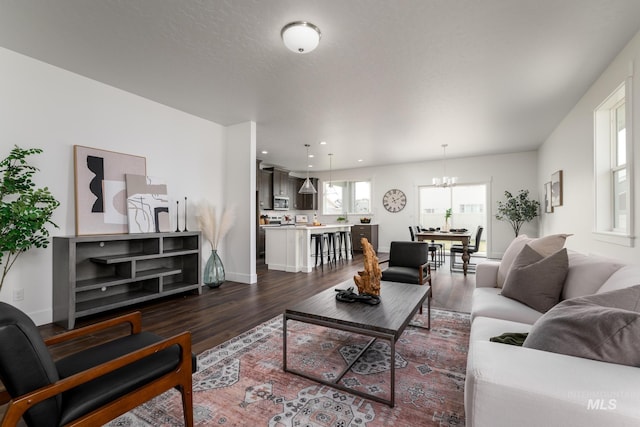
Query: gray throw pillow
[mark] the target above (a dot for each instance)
(603, 327)
(535, 280)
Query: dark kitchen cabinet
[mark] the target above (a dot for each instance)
(294, 186)
(370, 231)
(280, 182)
(265, 189)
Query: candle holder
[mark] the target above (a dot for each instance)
(177, 218)
(185, 214)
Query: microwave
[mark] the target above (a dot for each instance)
(280, 203)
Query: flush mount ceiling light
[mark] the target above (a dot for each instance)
(300, 36)
(445, 181)
(307, 185)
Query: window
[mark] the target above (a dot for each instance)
(467, 202)
(350, 197)
(612, 170)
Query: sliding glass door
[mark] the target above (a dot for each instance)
(468, 204)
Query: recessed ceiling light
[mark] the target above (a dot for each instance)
(323, 142)
(265, 152)
(311, 156)
(360, 160)
(310, 166)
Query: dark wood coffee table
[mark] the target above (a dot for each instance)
(387, 320)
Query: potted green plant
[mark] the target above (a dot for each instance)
(25, 210)
(447, 218)
(517, 209)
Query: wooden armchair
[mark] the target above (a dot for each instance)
(95, 385)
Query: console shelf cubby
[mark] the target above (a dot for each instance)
(92, 274)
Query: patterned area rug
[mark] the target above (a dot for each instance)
(241, 382)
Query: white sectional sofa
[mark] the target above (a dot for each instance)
(509, 385)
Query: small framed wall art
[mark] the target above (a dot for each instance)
(101, 194)
(556, 188)
(548, 208)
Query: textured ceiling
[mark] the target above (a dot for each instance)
(390, 82)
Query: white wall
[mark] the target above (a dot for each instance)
(240, 245)
(50, 108)
(570, 148)
(502, 172)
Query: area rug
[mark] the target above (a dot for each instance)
(241, 382)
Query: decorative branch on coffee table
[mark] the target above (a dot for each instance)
(25, 210)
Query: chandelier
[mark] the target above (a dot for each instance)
(444, 181)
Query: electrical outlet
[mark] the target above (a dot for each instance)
(18, 294)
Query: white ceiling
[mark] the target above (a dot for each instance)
(391, 81)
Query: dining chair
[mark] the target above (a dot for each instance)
(459, 249)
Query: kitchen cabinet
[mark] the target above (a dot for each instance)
(265, 189)
(261, 242)
(92, 274)
(307, 202)
(370, 231)
(294, 186)
(280, 182)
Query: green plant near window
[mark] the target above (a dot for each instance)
(447, 214)
(517, 209)
(24, 209)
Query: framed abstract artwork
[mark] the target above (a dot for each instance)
(101, 194)
(556, 188)
(548, 208)
(147, 204)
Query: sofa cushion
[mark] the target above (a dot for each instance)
(624, 277)
(587, 273)
(601, 327)
(536, 280)
(487, 302)
(545, 246)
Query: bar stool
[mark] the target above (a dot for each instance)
(319, 242)
(344, 240)
(332, 240)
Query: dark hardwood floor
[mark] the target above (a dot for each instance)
(220, 314)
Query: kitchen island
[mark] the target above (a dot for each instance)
(288, 247)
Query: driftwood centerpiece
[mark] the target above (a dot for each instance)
(368, 281)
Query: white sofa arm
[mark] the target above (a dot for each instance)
(508, 385)
(487, 274)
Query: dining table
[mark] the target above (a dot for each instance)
(463, 237)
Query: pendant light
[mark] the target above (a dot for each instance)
(445, 181)
(330, 189)
(307, 186)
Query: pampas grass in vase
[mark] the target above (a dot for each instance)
(214, 231)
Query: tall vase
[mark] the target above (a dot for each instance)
(213, 271)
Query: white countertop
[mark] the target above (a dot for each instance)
(303, 226)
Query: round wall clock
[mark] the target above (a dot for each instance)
(394, 200)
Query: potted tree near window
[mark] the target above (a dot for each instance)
(25, 210)
(517, 209)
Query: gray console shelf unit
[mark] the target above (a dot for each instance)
(92, 274)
